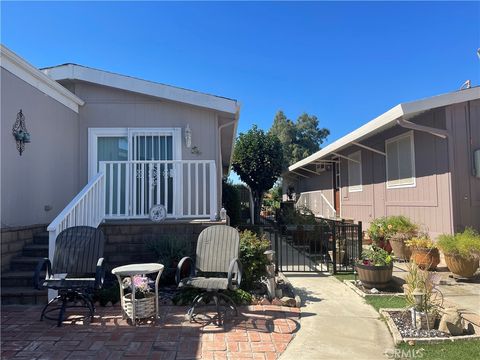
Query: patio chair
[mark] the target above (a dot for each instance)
(217, 268)
(77, 270)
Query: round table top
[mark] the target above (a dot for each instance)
(137, 269)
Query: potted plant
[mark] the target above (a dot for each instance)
(461, 251)
(144, 301)
(400, 230)
(378, 232)
(375, 268)
(424, 252)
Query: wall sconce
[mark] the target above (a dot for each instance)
(188, 137)
(20, 133)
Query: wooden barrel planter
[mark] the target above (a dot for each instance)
(377, 277)
(426, 259)
(464, 267)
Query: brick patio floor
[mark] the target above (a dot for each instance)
(259, 332)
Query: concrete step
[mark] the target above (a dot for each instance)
(25, 263)
(19, 278)
(23, 296)
(41, 238)
(35, 250)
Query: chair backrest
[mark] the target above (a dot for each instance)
(217, 246)
(77, 250)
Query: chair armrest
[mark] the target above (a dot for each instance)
(178, 273)
(100, 273)
(238, 275)
(38, 269)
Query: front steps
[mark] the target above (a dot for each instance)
(17, 282)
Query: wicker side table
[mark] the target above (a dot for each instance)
(128, 305)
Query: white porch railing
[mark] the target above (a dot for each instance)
(187, 188)
(85, 209)
(317, 203)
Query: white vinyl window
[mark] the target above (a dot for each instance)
(355, 172)
(400, 159)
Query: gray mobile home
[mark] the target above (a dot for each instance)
(420, 159)
(104, 146)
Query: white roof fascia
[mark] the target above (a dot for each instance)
(388, 119)
(34, 77)
(77, 72)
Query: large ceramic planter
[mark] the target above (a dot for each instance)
(400, 250)
(378, 277)
(426, 259)
(464, 267)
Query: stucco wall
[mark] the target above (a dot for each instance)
(47, 172)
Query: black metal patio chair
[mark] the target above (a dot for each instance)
(77, 270)
(217, 268)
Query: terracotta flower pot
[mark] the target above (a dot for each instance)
(384, 244)
(426, 259)
(464, 267)
(400, 250)
(378, 277)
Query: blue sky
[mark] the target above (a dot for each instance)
(344, 62)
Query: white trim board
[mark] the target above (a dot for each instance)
(82, 73)
(388, 120)
(34, 77)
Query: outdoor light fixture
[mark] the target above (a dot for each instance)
(188, 137)
(269, 254)
(20, 133)
(418, 295)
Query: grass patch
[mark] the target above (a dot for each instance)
(444, 351)
(346, 276)
(386, 302)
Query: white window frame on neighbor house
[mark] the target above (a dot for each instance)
(407, 182)
(353, 164)
(95, 133)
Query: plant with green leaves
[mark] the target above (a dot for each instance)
(385, 228)
(425, 282)
(258, 160)
(465, 244)
(252, 248)
(421, 242)
(375, 256)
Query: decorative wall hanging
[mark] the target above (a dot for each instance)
(188, 137)
(20, 133)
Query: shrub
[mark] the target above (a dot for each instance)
(107, 294)
(424, 281)
(231, 201)
(253, 260)
(392, 226)
(421, 242)
(186, 296)
(465, 244)
(299, 216)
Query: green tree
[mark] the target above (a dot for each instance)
(257, 159)
(299, 139)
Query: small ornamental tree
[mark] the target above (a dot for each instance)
(258, 160)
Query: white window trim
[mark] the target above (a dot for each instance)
(95, 133)
(412, 144)
(355, 188)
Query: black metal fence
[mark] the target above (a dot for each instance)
(330, 245)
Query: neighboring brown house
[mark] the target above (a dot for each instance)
(420, 159)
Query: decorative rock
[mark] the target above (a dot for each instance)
(451, 322)
(298, 301)
(374, 291)
(265, 301)
(288, 301)
(277, 302)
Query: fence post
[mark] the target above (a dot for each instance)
(277, 252)
(360, 239)
(334, 250)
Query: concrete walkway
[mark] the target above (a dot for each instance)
(335, 323)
